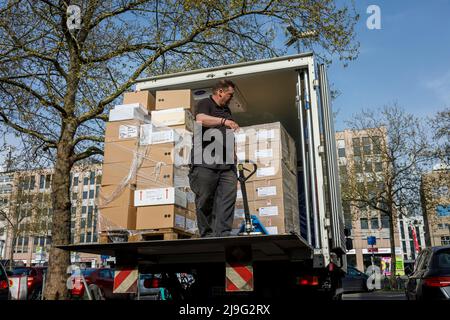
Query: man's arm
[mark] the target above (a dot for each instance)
(210, 121)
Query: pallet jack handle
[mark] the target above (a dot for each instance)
(242, 179)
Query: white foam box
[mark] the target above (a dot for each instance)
(173, 117)
(151, 134)
(160, 196)
(133, 111)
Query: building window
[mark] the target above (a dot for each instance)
(32, 182)
(364, 224)
(378, 167)
(83, 223)
(445, 241)
(341, 152)
(404, 246)
(413, 250)
(376, 145)
(48, 180)
(374, 223)
(94, 238)
(358, 168)
(92, 177)
(97, 190)
(75, 181)
(82, 238)
(74, 196)
(443, 210)
(366, 145)
(99, 179)
(41, 181)
(91, 194)
(83, 210)
(86, 181)
(368, 166)
(418, 236)
(85, 195)
(89, 237)
(384, 221)
(402, 229)
(443, 226)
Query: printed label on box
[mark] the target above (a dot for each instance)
(267, 191)
(191, 225)
(264, 134)
(272, 230)
(159, 196)
(239, 213)
(179, 221)
(127, 132)
(265, 153)
(162, 136)
(268, 211)
(265, 172)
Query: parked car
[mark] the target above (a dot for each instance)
(100, 283)
(354, 280)
(35, 276)
(4, 284)
(430, 279)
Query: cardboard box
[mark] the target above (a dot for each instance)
(267, 170)
(122, 130)
(151, 134)
(162, 176)
(266, 139)
(249, 187)
(159, 217)
(116, 210)
(160, 196)
(269, 207)
(145, 98)
(190, 197)
(239, 209)
(261, 151)
(169, 99)
(191, 222)
(173, 117)
(114, 173)
(124, 112)
(120, 151)
(168, 153)
(269, 188)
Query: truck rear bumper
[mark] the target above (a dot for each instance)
(203, 250)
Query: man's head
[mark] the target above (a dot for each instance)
(223, 92)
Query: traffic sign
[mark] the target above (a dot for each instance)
(373, 250)
(371, 240)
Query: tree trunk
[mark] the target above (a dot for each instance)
(59, 260)
(11, 250)
(392, 243)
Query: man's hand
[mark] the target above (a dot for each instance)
(231, 124)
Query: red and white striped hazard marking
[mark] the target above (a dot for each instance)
(125, 281)
(239, 277)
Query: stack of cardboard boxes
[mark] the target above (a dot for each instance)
(272, 190)
(145, 185)
(145, 176)
(117, 209)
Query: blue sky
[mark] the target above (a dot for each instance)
(407, 61)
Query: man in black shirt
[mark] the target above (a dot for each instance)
(213, 176)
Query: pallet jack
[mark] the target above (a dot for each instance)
(251, 224)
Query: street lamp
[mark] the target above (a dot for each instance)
(296, 35)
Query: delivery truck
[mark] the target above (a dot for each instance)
(307, 261)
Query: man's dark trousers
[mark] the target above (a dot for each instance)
(215, 198)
